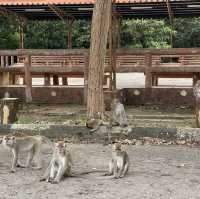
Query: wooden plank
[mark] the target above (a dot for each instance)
(2, 61)
(12, 60)
(55, 80)
(6, 61)
(148, 74)
(6, 79)
(47, 79)
(86, 77)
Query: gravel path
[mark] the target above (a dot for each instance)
(156, 172)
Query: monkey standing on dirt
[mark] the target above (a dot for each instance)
(31, 144)
(119, 163)
(118, 114)
(60, 165)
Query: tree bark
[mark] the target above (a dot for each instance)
(28, 79)
(99, 37)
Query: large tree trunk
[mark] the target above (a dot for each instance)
(99, 36)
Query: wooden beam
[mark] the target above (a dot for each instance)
(47, 79)
(60, 13)
(55, 80)
(171, 18)
(112, 46)
(170, 12)
(148, 71)
(86, 72)
(69, 22)
(21, 35)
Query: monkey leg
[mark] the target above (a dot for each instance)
(111, 169)
(59, 174)
(68, 171)
(116, 170)
(14, 161)
(125, 170)
(46, 175)
(53, 171)
(30, 158)
(37, 157)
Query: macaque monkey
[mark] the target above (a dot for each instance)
(196, 89)
(31, 144)
(119, 163)
(118, 114)
(94, 124)
(60, 164)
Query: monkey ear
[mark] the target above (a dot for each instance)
(13, 137)
(65, 140)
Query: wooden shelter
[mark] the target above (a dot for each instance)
(66, 63)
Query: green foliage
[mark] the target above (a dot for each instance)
(142, 33)
(45, 35)
(81, 34)
(53, 34)
(188, 33)
(9, 37)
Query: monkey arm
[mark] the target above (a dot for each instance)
(47, 171)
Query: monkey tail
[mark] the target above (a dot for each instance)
(95, 129)
(87, 172)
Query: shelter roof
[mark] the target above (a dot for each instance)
(45, 2)
(42, 9)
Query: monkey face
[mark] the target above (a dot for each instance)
(116, 101)
(60, 147)
(9, 140)
(117, 146)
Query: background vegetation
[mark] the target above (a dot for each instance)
(140, 33)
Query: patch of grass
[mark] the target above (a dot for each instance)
(25, 119)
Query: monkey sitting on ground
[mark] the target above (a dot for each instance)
(119, 164)
(118, 114)
(94, 124)
(31, 144)
(60, 164)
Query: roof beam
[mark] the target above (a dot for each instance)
(170, 12)
(60, 13)
(171, 19)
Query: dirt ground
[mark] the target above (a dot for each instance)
(156, 172)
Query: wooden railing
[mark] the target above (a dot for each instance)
(155, 63)
(8, 58)
(127, 60)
